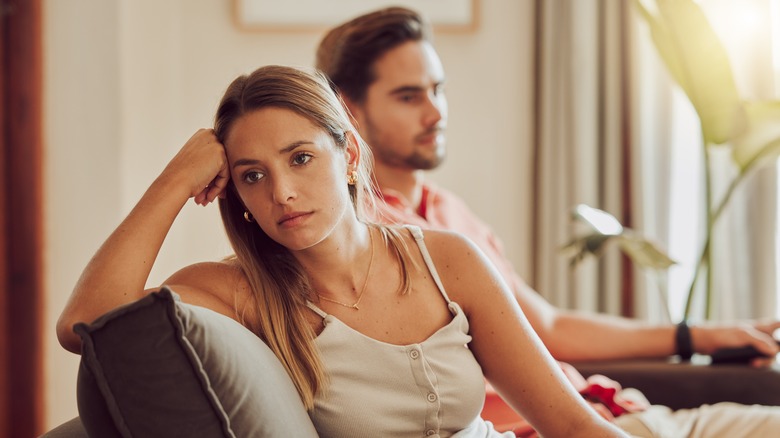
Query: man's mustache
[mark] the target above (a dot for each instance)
(433, 130)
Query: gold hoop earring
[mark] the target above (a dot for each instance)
(248, 217)
(352, 178)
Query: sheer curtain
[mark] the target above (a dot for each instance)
(583, 148)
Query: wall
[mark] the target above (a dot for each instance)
(127, 82)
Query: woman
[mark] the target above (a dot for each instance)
(374, 338)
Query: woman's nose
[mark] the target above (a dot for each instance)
(283, 190)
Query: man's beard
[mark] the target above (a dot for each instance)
(423, 162)
(416, 160)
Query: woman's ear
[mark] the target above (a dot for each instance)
(352, 151)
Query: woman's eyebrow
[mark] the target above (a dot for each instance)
(285, 150)
(292, 146)
(245, 162)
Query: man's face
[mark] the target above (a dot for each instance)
(404, 113)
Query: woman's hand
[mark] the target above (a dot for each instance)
(201, 165)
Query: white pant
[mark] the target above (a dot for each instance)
(721, 420)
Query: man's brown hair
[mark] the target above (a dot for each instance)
(347, 53)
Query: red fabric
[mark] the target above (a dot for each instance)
(601, 389)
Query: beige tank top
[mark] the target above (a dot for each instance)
(431, 389)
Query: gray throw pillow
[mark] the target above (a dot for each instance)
(162, 368)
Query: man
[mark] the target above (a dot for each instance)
(387, 72)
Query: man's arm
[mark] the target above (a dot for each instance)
(583, 336)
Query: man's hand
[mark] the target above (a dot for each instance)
(708, 338)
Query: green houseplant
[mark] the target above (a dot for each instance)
(698, 62)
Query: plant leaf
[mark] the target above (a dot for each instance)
(644, 252)
(599, 220)
(606, 227)
(762, 136)
(582, 246)
(699, 63)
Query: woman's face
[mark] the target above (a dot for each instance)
(290, 175)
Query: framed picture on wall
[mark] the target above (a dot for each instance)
(445, 15)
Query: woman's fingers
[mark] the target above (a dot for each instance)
(218, 185)
(200, 198)
(202, 164)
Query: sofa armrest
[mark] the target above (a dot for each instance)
(69, 429)
(681, 385)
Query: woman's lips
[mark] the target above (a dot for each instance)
(292, 219)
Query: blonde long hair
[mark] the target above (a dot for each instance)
(280, 286)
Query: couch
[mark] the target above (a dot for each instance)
(161, 367)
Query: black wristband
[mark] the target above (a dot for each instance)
(682, 339)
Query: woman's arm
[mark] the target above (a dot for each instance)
(512, 356)
(118, 272)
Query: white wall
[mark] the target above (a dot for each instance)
(127, 82)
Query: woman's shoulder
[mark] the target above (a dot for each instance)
(449, 243)
(461, 265)
(217, 285)
(439, 243)
(209, 274)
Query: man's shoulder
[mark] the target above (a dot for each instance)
(393, 210)
(441, 195)
(442, 202)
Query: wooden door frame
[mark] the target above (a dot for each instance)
(21, 296)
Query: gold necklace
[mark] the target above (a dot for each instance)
(365, 282)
